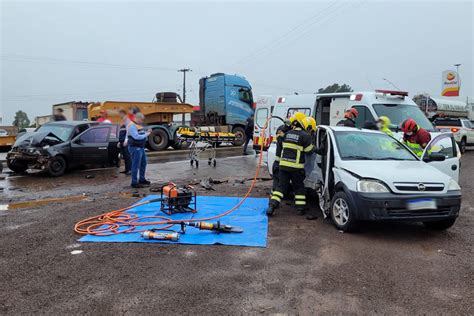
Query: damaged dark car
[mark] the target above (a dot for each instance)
(58, 146)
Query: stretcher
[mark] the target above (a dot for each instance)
(203, 139)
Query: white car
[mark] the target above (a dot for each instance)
(367, 175)
(462, 129)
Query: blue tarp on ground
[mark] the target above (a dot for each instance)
(250, 216)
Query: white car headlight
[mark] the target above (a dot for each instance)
(453, 186)
(371, 186)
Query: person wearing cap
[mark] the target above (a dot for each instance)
(104, 117)
(349, 118)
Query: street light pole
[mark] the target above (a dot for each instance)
(459, 78)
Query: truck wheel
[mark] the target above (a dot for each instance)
(239, 136)
(17, 166)
(57, 166)
(462, 146)
(440, 225)
(158, 139)
(342, 212)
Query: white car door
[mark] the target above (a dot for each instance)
(446, 145)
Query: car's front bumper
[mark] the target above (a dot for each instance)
(387, 206)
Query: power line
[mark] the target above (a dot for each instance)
(286, 34)
(333, 13)
(52, 60)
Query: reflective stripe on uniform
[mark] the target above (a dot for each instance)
(417, 149)
(278, 194)
(309, 148)
(276, 198)
(292, 146)
(286, 163)
(277, 158)
(300, 197)
(300, 202)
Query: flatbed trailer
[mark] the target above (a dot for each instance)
(158, 117)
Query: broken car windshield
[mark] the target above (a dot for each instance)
(63, 132)
(370, 146)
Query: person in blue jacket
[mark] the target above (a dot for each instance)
(136, 138)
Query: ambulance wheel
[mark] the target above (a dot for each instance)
(342, 212)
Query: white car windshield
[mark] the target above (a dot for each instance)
(62, 131)
(397, 113)
(370, 146)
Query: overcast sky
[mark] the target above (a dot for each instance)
(53, 52)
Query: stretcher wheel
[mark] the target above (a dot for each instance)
(214, 162)
(209, 161)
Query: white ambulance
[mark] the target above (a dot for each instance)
(328, 109)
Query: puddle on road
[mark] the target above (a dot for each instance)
(26, 204)
(74, 198)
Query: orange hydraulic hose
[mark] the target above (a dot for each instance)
(118, 222)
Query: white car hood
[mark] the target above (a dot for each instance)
(390, 171)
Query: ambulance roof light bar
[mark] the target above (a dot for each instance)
(393, 92)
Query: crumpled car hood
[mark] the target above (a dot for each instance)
(37, 139)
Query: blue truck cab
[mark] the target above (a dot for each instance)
(226, 100)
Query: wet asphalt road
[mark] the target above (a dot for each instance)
(308, 267)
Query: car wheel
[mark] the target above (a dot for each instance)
(239, 136)
(158, 139)
(462, 146)
(342, 212)
(17, 166)
(57, 166)
(440, 225)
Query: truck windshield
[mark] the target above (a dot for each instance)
(397, 113)
(61, 131)
(370, 146)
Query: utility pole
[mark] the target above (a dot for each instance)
(457, 75)
(184, 71)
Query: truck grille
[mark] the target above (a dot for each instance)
(419, 187)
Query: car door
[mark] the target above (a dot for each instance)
(446, 145)
(468, 126)
(92, 146)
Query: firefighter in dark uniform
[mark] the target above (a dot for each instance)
(349, 118)
(280, 133)
(296, 143)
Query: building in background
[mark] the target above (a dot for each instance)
(73, 110)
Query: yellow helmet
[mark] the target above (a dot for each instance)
(300, 118)
(385, 121)
(310, 123)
